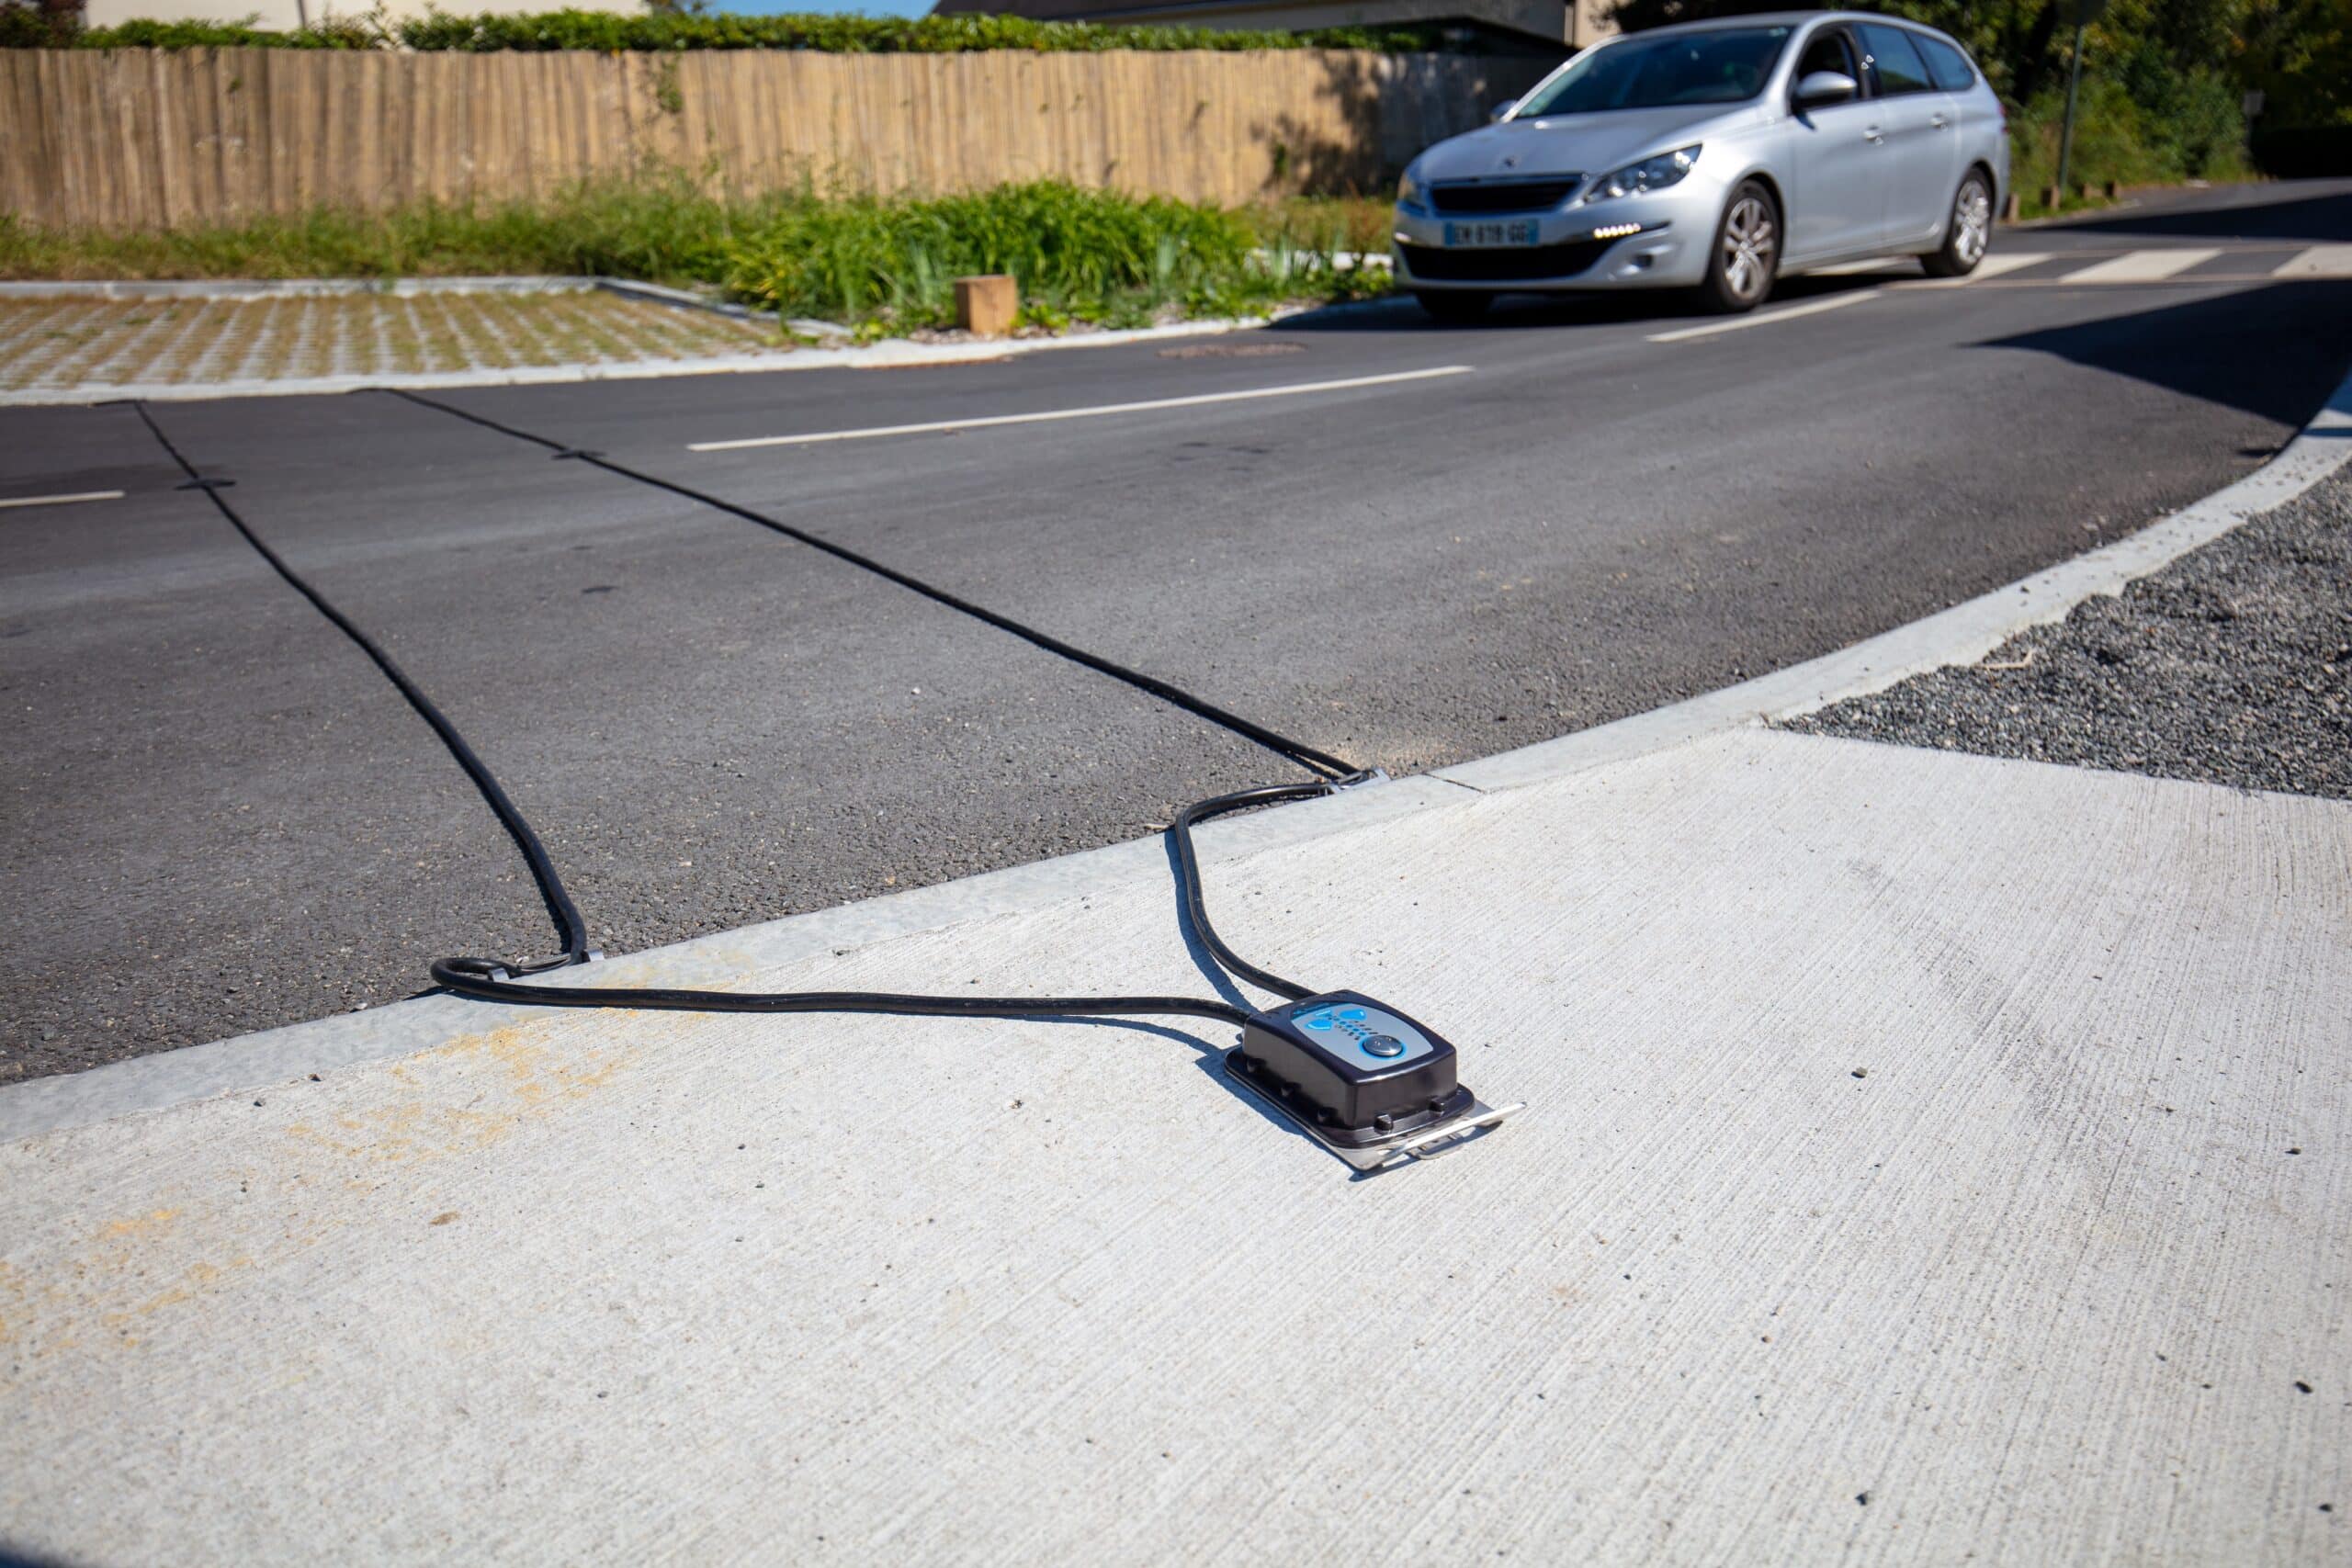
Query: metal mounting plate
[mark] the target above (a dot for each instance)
(1421, 1144)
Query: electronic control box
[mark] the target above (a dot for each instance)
(1358, 1071)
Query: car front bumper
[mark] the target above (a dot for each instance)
(1575, 248)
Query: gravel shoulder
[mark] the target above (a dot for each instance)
(2232, 666)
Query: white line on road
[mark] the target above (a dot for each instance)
(1990, 267)
(1811, 307)
(60, 500)
(2142, 267)
(1859, 269)
(2320, 261)
(984, 420)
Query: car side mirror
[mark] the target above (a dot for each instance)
(1501, 111)
(1822, 88)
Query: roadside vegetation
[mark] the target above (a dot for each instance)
(2164, 81)
(27, 25)
(878, 265)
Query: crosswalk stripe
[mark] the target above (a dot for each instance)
(1991, 266)
(2005, 261)
(2142, 267)
(2320, 261)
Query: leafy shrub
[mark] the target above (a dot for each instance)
(1091, 255)
(667, 31)
(888, 263)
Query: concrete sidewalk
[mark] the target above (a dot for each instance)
(1928, 1156)
(2047, 1284)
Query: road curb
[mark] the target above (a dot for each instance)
(1961, 634)
(888, 354)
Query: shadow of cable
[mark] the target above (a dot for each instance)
(1195, 948)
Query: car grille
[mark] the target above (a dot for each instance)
(1505, 265)
(1514, 196)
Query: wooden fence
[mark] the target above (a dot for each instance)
(137, 137)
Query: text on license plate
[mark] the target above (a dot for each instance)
(1503, 231)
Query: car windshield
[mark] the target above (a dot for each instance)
(1724, 65)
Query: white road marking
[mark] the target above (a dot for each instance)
(2142, 266)
(2320, 261)
(984, 420)
(1764, 318)
(1856, 268)
(60, 500)
(1992, 266)
(2004, 261)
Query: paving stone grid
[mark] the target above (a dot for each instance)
(61, 344)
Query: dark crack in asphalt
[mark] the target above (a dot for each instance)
(2230, 666)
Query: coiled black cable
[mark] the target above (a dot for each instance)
(490, 980)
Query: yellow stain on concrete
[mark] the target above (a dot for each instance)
(120, 1279)
(528, 1073)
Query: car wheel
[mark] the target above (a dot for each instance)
(1453, 304)
(1746, 257)
(1968, 234)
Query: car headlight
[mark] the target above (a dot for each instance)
(1410, 189)
(1650, 173)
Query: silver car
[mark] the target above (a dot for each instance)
(1714, 156)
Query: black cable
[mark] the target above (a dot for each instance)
(570, 927)
(491, 981)
(1188, 872)
(477, 978)
(1305, 756)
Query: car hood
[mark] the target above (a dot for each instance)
(1569, 143)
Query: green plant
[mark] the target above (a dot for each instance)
(878, 265)
(672, 28)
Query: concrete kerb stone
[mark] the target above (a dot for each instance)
(399, 1029)
(1961, 634)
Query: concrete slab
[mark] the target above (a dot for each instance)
(1930, 1156)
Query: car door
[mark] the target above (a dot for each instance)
(1836, 154)
(1920, 123)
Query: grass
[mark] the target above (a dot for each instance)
(880, 264)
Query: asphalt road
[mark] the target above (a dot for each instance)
(219, 818)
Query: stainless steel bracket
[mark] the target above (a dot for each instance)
(1421, 1144)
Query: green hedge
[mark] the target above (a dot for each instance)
(23, 26)
(882, 264)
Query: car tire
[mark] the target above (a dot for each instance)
(1746, 259)
(1453, 306)
(1968, 232)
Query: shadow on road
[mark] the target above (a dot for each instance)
(2196, 348)
(2270, 213)
(1514, 312)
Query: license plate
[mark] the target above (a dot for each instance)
(1510, 232)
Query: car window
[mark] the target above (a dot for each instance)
(1724, 65)
(1946, 64)
(1829, 51)
(1899, 67)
